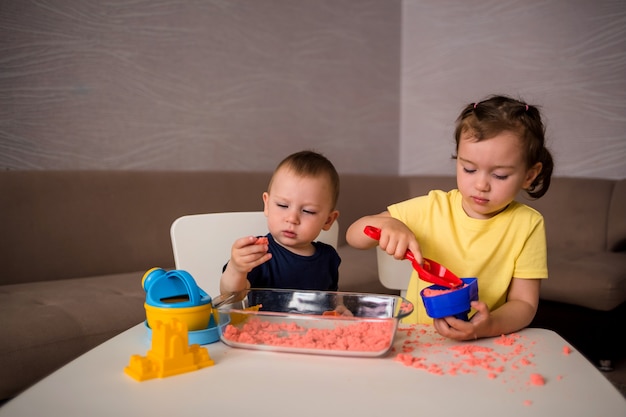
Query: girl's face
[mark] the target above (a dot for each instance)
(491, 172)
(297, 209)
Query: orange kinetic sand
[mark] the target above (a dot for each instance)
(361, 336)
(507, 359)
(431, 292)
(536, 379)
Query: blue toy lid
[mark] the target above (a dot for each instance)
(173, 289)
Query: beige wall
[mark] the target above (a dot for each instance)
(199, 85)
(238, 84)
(568, 56)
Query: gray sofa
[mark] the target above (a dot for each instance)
(75, 245)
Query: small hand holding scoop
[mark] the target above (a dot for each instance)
(431, 271)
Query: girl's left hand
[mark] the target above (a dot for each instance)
(461, 330)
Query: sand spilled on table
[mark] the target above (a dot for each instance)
(421, 343)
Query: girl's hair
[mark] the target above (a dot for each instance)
(497, 114)
(312, 164)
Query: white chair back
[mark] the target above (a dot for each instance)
(202, 242)
(393, 273)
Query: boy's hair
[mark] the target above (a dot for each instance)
(311, 164)
(497, 114)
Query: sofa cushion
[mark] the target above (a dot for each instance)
(90, 223)
(46, 324)
(575, 212)
(595, 280)
(361, 195)
(421, 185)
(616, 226)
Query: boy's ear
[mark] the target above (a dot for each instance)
(332, 216)
(266, 197)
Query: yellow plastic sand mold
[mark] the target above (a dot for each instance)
(170, 354)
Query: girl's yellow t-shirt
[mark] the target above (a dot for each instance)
(510, 244)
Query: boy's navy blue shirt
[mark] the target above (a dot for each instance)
(288, 270)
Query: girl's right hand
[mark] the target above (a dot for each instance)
(396, 238)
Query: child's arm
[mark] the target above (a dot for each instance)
(395, 236)
(246, 253)
(515, 314)
(519, 309)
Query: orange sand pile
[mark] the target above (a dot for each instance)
(537, 379)
(360, 336)
(431, 292)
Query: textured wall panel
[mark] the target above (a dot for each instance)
(198, 84)
(568, 56)
(184, 84)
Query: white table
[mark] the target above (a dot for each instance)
(266, 383)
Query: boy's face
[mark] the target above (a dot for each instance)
(490, 173)
(297, 209)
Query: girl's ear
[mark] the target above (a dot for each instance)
(531, 174)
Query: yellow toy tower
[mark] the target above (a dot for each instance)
(170, 353)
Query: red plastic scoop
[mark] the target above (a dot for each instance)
(431, 271)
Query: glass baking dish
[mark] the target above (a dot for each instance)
(314, 322)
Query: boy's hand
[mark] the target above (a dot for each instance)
(341, 310)
(249, 252)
